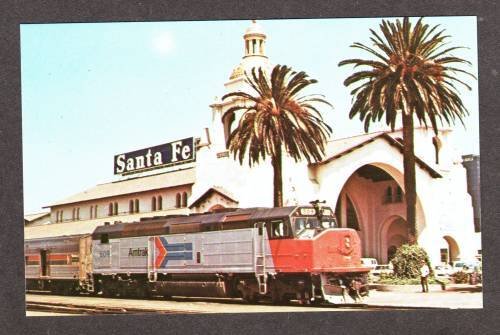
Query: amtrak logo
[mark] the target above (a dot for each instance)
(171, 251)
(347, 242)
(346, 246)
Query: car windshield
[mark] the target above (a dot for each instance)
(307, 227)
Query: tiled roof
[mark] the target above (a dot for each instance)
(84, 227)
(132, 185)
(35, 216)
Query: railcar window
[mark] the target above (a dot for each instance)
(279, 229)
(310, 226)
(104, 238)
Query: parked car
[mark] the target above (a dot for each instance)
(468, 267)
(370, 262)
(382, 269)
(443, 271)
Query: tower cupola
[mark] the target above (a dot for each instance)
(255, 40)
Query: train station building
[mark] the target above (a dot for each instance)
(360, 177)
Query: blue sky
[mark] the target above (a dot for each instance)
(90, 91)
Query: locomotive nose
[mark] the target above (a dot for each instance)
(337, 250)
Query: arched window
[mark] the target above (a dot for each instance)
(131, 206)
(78, 213)
(178, 200)
(160, 203)
(95, 212)
(153, 204)
(73, 215)
(399, 194)
(91, 212)
(116, 209)
(137, 205)
(110, 209)
(184, 199)
(351, 216)
(388, 195)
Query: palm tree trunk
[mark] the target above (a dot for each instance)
(277, 179)
(409, 176)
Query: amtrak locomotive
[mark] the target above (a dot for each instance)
(254, 253)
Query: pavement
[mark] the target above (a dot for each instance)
(435, 299)
(377, 300)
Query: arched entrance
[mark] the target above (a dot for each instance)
(396, 236)
(449, 250)
(366, 200)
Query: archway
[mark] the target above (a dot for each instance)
(396, 236)
(449, 250)
(367, 199)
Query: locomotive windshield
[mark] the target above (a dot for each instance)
(308, 227)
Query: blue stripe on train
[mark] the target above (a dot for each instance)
(176, 251)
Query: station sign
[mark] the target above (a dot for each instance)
(177, 152)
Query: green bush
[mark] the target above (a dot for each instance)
(460, 277)
(393, 280)
(407, 260)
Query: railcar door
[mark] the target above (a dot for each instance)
(260, 256)
(44, 265)
(152, 275)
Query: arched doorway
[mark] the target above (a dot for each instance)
(449, 250)
(392, 234)
(368, 198)
(397, 235)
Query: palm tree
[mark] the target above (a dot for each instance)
(413, 74)
(277, 118)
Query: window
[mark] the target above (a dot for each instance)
(137, 205)
(160, 203)
(95, 211)
(153, 204)
(388, 195)
(131, 206)
(110, 209)
(445, 257)
(104, 238)
(279, 229)
(73, 214)
(178, 200)
(184, 199)
(78, 213)
(115, 211)
(399, 194)
(91, 212)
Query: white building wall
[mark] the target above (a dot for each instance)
(145, 204)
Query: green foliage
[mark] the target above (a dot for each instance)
(460, 277)
(393, 280)
(407, 261)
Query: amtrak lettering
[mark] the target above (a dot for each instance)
(138, 252)
(181, 151)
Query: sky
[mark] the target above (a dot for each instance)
(91, 91)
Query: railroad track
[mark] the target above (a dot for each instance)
(85, 308)
(68, 308)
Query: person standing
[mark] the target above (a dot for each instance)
(424, 274)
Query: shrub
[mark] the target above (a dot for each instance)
(393, 280)
(407, 260)
(460, 277)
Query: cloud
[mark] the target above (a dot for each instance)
(163, 42)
